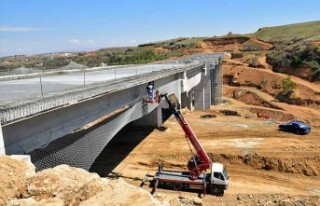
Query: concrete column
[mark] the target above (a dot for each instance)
(213, 87)
(202, 92)
(217, 78)
(186, 100)
(2, 147)
(153, 119)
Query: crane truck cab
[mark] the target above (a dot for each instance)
(219, 180)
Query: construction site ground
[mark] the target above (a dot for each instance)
(264, 164)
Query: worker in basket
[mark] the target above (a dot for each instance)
(150, 88)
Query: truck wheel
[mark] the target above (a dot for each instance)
(177, 186)
(167, 185)
(215, 190)
(221, 192)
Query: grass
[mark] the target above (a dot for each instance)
(305, 30)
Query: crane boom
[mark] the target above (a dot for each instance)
(205, 161)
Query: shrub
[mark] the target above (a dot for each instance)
(254, 62)
(288, 85)
(295, 56)
(278, 59)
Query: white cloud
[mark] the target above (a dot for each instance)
(21, 29)
(90, 41)
(81, 42)
(74, 41)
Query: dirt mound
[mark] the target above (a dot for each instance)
(258, 43)
(308, 166)
(231, 43)
(264, 113)
(118, 192)
(64, 185)
(248, 97)
(221, 44)
(270, 83)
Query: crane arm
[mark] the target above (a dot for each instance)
(205, 160)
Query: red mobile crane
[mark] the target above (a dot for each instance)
(214, 182)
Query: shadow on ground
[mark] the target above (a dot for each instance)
(121, 145)
(118, 148)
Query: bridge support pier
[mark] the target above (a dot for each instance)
(2, 148)
(216, 83)
(187, 100)
(202, 92)
(154, 118)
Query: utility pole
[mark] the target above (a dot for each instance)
(41, 81)
(84, 77)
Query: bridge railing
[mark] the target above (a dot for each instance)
(26, 107)
(20, 109)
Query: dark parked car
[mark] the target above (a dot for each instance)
(295, 126)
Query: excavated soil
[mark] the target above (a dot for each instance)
(64, 185)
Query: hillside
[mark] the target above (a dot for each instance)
(307, 30)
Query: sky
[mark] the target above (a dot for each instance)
(43, 26)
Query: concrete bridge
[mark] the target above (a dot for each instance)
(73, 127)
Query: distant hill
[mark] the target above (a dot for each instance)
(307, 30)
(265, 39)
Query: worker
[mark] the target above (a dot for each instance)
(150, 88)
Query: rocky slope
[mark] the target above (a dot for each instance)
(64, 185)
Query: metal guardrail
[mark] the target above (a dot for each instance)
(21, 109)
